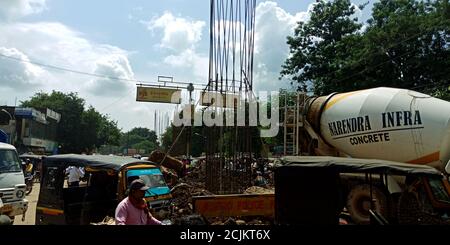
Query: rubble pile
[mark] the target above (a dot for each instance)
(170, 176)
(259, 190)
(192, 184)
(240, 221)
(106, 221)
(169, 162)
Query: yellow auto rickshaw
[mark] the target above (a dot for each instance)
(103, 185)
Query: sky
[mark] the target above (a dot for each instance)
(133, 40)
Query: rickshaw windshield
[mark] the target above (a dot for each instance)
(439, 190)
(152, 178)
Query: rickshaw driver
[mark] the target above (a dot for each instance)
(133, 210)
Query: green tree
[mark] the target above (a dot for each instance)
(79, 130)
(109, 133)
(316, 45)
(146, 145)
(98, 130)
(90, 124)
(129, 139)
(198, 141)
(139, 138)
(145, 133)
(167, 139)
(405, 44)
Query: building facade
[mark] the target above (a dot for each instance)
(33, 130)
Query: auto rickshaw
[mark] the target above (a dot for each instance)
(103, 186)
(324, 190)
(36, 160)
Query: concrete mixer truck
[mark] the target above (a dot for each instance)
(382, 123)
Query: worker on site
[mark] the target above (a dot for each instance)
(133, 210)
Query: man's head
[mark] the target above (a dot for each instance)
(138, 188)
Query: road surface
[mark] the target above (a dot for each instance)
(31, 212)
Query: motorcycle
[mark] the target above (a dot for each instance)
(29, 180)
(29, 174)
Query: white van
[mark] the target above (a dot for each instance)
(12, 183)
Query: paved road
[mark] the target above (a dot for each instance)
(31, 212)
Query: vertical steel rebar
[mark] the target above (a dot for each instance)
(229, 148)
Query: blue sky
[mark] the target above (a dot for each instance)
(134, 39)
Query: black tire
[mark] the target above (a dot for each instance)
(358, 203)
(29, 188)
(6, 220)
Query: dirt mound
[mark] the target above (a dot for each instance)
(259, 190)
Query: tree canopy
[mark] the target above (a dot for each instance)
(140, 138)
(405, 44)
(79, 130)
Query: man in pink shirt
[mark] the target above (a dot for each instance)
(133, 210)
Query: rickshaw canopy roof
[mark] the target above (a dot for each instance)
(356, 165)
(96, 161)
(31, 156)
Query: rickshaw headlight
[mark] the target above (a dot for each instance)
(20, 194)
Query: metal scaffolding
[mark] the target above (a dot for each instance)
(229, 148)
(293, 122)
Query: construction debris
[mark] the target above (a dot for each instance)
(193, 184)
(167, 161)
(240, 221)
(106, 221)
(259, 190)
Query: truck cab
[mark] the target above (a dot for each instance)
(12, 183)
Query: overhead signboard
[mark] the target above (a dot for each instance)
(23, 112)
(159, 95)
(53, 115)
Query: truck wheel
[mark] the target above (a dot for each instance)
(358, 203)
(5, 220)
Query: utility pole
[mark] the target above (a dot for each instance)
(128, 138)
(190, 88)
(154, 126)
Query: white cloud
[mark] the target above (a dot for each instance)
(189, 59)
(273, 25)
(179, 34)
(116, 66)
(14, 9)
(16, 71)
(56, 44)
(180, 37)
